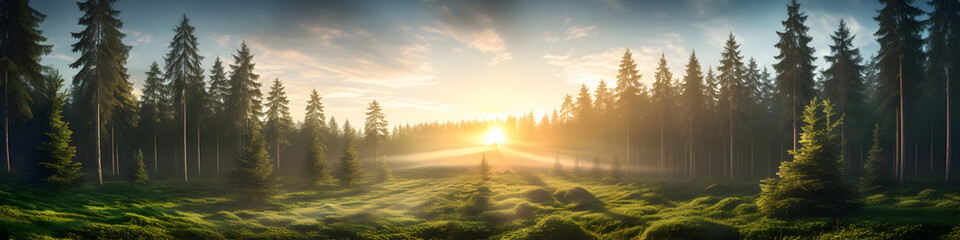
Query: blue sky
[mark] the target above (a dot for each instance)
(436, 60)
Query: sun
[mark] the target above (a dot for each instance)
(495, 136)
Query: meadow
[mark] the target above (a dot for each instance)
(455, 203)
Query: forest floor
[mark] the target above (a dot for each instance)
(456, 204)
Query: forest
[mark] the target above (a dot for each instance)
(861, 148)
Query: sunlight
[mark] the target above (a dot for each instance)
(495, 136)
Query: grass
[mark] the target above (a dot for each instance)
(424, 204)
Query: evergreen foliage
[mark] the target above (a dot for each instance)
(350, 169)
(138, 171)
(811, 184)
(253, 182)
(60, 168)
(875, 172)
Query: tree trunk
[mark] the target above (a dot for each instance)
(198, 147)
(946, 167)
(218, 152)
(154, 152)
(6, 121)
(902, 116)
(184, 109)
(99, 165)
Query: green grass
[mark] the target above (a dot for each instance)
(423, 204)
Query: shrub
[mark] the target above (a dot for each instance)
(537, 195)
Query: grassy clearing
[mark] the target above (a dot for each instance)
(457, 205)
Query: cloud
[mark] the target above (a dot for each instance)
(586, 69)
(222, 40)
(61, 57)
(470, 23)
(581, 31)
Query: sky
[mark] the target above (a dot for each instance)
(436, 60)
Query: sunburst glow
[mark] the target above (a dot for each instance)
(495, 136)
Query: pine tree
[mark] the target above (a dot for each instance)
(60, 168)
(316, 164)
(279, 121)
(795, 67)
(843, 83)
(901, 67)
(219, 90)
(138, 171)
(253, 181)
(350, 167)
(20, 54)
(812, 183)
(484, 168)
(102, 73)
(875, 172)
(186, 80)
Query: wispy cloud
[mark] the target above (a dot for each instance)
(581, 31)
(470, 25)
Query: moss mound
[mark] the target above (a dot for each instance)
(555, 228)
(689, 228)
(538, 195)
(452, 230)
(577, 194)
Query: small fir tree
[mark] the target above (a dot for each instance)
(484, 168)
(557, 167)
(350, 167)
(61, 170)
(812, 184)
(253, 181)
(138, 171)
(383, 171)
(874, 169)
(595, 169)
(317, 171)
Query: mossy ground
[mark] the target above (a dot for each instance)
(456, 204)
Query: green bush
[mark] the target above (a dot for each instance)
(688, 228)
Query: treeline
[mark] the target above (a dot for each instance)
(735, 118)
(189, 120)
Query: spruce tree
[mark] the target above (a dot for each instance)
(186, 81)
(350, 167)
(102, 73)
(375, 129)
(153, 108)
(317, 171)
(811, 184)
(557, 167)
(218, 92)
(20, 51)
(901, 68)
(795, 66)
(627, 92)
(383, 171)
(694, 101)
(253, 181)
(138, 171)
(244, 96)
(315, 117)
(279, 121)
(484, 168)
(843, 83)
(943, 65)
(731, 94)
(662, 99)
(875, 172)
(59, 166)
